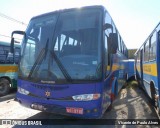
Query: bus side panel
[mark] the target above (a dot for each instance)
(9, 71)
(148, 67)
(107, 92)
(116, 79)
(131, 73)
(139, 67)
(150, 76)
(158, 66)
(121, 73)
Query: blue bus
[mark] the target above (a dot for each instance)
(72, 62)
(131, 71)
(147, 59)
(8, 67)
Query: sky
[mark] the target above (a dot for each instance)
(134, 19)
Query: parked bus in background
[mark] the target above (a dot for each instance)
(131, 71)
(8, 67)
(72, 62)
(147, 66)
(131, 61)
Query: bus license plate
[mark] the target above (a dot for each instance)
(74, 110)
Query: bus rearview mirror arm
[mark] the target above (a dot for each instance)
(107, 26)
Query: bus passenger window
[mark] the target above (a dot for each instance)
(146, 52)
(153, 47)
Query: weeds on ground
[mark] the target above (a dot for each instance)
(131, 84)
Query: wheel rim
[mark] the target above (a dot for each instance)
(2, 87)
(4, 84)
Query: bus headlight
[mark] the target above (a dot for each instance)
(23, 91)
(86, 97)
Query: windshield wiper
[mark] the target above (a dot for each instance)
(62, 68)
(39, 59)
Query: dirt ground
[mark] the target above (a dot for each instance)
(132, 103)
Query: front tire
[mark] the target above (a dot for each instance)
(4, 86)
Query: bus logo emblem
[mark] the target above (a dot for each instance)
(47, 93)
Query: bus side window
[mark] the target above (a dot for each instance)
(153, 47)
(146, 52)
(9, 59)
(2, 54)
(119, 43)
(17, 55)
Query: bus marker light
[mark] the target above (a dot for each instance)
(23, 91)
(88, 111)
(95, 110)
(38, 107)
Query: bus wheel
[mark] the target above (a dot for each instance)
(153, 96)
(4, 86)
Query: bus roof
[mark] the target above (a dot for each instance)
(70, 9)
(157, 27)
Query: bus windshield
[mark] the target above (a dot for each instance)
(64, 45)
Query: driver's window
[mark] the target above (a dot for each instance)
(30, 52)
(107, 32)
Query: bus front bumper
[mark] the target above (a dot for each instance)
(85, 109)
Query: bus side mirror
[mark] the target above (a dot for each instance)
(12, 39)
(113, 43)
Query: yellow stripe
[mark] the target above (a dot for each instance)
(108, 68)
(4, 69)
(115, 67)
(150, 69)
(138, 67)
